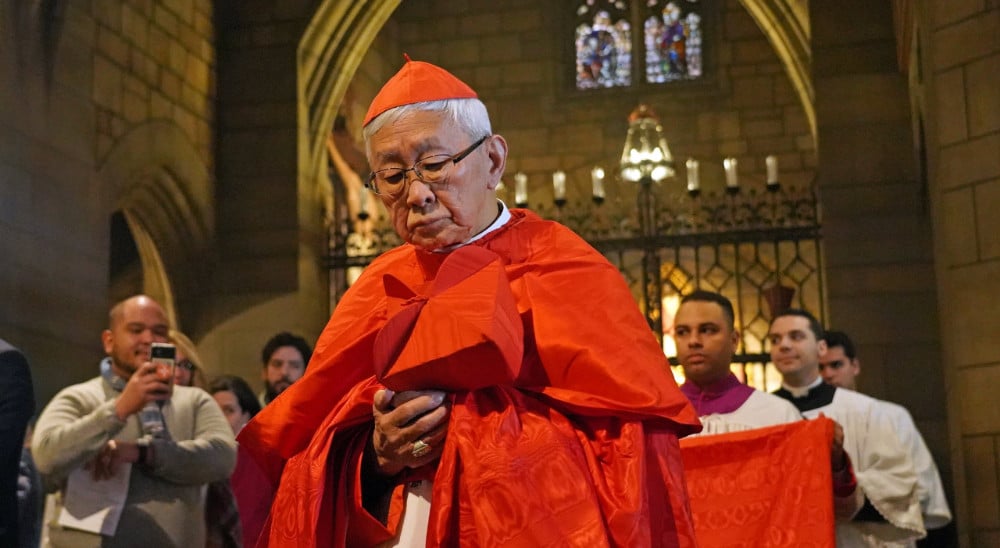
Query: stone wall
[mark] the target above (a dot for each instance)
(105, 106)
(269, 276)
(154, 60)
(961, 60)
(54, 214)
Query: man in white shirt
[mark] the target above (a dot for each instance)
(840, 366)
(888, 505)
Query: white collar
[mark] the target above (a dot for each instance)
(802, 391)
(501, 220)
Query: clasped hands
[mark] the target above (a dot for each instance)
(410, 428)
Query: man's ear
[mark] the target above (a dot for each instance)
(497, 152)
(107, 340)
(821, 346)
(735, 338)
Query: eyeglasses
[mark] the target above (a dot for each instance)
(187, 364)
(433, 169)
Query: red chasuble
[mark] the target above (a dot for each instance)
(763, 487)
(565, 417)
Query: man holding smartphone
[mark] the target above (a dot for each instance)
(92, 442)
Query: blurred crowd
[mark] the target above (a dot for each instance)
(140, 454)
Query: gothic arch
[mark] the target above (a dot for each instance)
(786, 25)
(332, 47)
(163, 188)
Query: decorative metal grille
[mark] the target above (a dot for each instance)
(758, 248)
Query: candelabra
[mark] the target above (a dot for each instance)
(651, 211)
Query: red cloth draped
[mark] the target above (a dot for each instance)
(579, 448)
(465, 335)
(253, 496)
(767, 487)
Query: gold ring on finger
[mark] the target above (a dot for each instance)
(420, 449)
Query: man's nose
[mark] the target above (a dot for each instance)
(418, 193)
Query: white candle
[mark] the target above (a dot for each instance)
(597, 178)
(520, 188)
(730, 165)
(559, 185)
(692, 168)
(772, 169)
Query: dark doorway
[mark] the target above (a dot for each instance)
(125, 269)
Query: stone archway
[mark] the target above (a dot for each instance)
(330, 52)
(786, 25)
(163, 189)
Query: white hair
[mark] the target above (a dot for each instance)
(469, 115)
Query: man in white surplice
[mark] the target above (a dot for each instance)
(840, 366)
(888, 496)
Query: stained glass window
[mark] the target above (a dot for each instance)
(603, 45)
(670, 45)
(673, 39)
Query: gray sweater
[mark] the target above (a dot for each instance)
(166, 500)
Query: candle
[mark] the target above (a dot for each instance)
(772, 169)
(730, 165)
(692, 169)
(597, 178)
(559, 185)
(520, 188)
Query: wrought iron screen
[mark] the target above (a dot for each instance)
(759, 249)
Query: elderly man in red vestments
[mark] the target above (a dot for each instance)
(491, 382)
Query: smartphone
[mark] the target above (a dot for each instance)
(163, 355)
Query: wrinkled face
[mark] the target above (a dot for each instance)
(285, 367)
(705, 341)
(795, 350)
(837, 369)
(448, 212)
(131, 334)
(237, 417)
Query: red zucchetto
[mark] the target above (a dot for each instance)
(418, 82)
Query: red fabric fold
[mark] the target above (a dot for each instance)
(466, 334)
(767, 487)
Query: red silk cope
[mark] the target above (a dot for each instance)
(570, 441)
(767, 487)
(429, 341)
